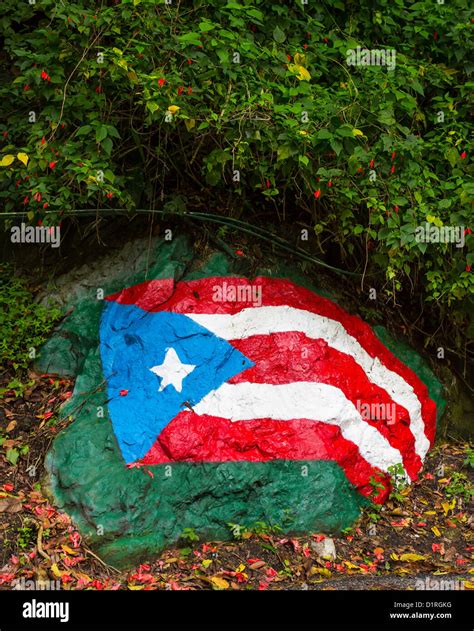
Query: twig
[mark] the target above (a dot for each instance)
(39, 543)
(106, 565)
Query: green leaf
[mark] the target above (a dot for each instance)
(12, 456)
(205, 27)
(284, 152)
(278, 35)
(324, 134)
(107, 145)
(101, 133)
(336, 146)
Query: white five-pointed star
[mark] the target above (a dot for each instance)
(172, 371)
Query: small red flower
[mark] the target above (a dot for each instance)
(468, 268)
(98, 89)
(372, 162)
(317, 193)
(110, 195)
(8, 487)
(45, 76)
(123, 393)
(161, 82)
(37, 197)
(43, 140)
(52, 165)
(393, 155)
(45, 205)
(267, 183)
(180, 90)
(467, 231)
(26, 88)
(190, 90)
(288, 57)
(463, 155)
(305, 45)
(5, 134)
(392, 170)
(189, 62)
(325, 40)
(396, 209)
(239, 253)
(329, 183)
(25, 200)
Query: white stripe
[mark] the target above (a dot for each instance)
(300, 400)
(267, 320)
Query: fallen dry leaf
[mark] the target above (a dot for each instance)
(10, 505)
(412, 558)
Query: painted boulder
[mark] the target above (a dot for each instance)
(216, 400)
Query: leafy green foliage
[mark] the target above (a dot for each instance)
(137, 98)
(189, 534)
(459, 486)
(24, 324)
(469, 457)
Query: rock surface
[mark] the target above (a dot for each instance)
(129, 512)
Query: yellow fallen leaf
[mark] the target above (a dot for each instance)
(448, 506)
(190, 123)
(135, 588)
(69, 550)
(206, 562)
(7, 160)
(219, 583)
(436, 531)
(56, 571)
(442, 480)
(241, 568)
(471, 571)
(430, 512)
(322, 571)
(23, 157)
(173, 109)
(394, 557)
(412, 557)
(350, 565)
(468, 585)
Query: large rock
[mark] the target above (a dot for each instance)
(181, 420)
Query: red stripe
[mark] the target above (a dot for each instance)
(193, 438)
(197, 296)
(287, 357)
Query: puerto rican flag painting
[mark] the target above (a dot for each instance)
(226, 369)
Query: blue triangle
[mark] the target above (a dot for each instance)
(132, 341)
